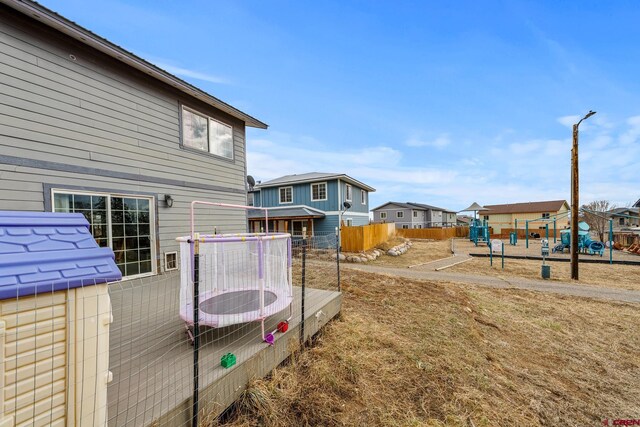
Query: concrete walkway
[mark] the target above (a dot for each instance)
(562, 288)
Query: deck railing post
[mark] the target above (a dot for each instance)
(304, 278)
(338, 257)
(196, 327)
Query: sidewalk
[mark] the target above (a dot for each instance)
(562, 288)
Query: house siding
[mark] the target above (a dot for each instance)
(96, 115)
(391, 210)
(301, 194)
(500, 221)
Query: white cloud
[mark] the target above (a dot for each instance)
(440, 142)
(568, 121)
(493, 171)
(193, 74)
(633, 133)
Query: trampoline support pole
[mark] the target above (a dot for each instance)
(196, 328)
(304, 278)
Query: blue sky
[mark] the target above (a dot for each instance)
(443, 103)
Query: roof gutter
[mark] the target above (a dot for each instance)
(58, 22)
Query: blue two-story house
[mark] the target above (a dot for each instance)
(318, 201)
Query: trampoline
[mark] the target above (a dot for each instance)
(242, 278)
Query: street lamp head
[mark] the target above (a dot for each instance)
(589, 114)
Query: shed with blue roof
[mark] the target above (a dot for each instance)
(55, 313)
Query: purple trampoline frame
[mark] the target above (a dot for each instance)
(194, 241)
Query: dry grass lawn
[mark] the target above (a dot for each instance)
(605, 275)
(409, 353)
(421, 251)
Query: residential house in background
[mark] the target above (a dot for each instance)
(624, 218)
(89, 127)
(504, 216)
(313, 200)
(414, 215)
(637, 204)
(463, 220)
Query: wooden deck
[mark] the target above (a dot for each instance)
(152, 360)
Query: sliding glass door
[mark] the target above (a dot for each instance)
(122, 222)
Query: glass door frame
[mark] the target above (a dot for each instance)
(109, 195)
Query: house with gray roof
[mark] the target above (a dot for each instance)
(88, 127)
(625, 218)
(414, 215)
(317, 201)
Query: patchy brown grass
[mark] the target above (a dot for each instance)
(408, 353)
(394, 241)
(604, 275)
(421, 251)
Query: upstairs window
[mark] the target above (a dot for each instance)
(363, 197)
(415, 214)
(203, 133)
(348, 193)
(286, 194)
(319, 191)
(545, 215)
(383, 215)
(399, 214)
(486, 217)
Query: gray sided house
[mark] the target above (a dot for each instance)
(414, 215)
(624, 218)
(86, 126)
(312, 200)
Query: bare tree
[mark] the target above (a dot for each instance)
(596, 214)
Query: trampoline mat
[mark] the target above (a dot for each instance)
(236, 302)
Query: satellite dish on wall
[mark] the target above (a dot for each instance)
(251, 182)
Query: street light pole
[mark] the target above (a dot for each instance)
(575, 203)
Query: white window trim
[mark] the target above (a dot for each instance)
(415, 214)
(348, 192)
(399, 214)
(383, 215)
(363, 197)
(326, 191)
(152, 221)
(280, 195)
(208, 150)
(165, 261)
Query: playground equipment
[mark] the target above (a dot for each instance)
(228, 279)
(585, 244)
(478, 229)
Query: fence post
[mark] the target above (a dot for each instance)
(490, 254)
(304, 268)
(502, 246)
(546, 226)
(196, 327)
(554, 230)
(610, 241)
(338, 258)
(526, 232)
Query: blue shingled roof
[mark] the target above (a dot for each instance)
(44, 252)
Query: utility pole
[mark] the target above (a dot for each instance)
(575, 202)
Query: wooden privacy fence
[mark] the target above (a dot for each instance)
(433, 233)
(504, 233)
(365, 237)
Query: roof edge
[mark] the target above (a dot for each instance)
(343, 176)
(87, 37)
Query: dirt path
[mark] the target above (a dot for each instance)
(495, 282)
